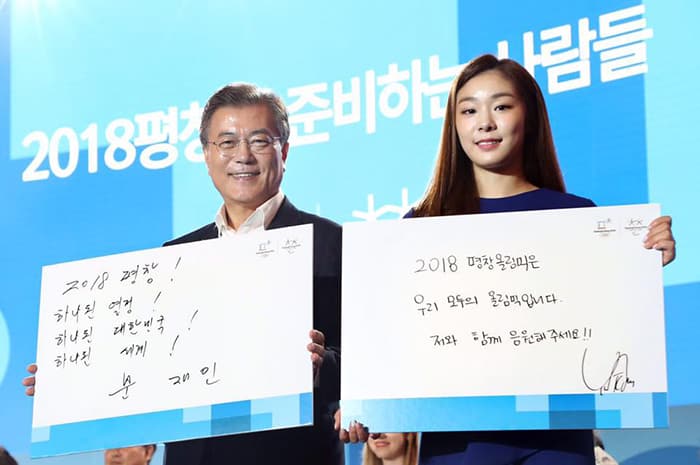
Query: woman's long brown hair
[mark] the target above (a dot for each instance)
(452, 190)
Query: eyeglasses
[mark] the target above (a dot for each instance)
(258, 144)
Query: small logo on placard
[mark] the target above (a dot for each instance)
(636, 226)
(604, 227)
(290, 245)
(265, 249)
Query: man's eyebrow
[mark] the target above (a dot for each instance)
(253, 132)
(227, 134)
(265, 131)
(493, 96)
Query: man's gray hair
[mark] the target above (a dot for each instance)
(241, 94)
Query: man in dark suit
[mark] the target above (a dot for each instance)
(244, 134)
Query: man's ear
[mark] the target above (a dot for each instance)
(207, 157)
(285, 150)
(150, 450)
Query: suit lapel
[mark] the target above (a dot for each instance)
(211, 232)
(287, 215)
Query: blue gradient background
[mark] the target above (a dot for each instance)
(71, 63)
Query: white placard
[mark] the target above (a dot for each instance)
(189, 325)
(526, 303)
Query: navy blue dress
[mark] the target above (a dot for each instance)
(568, 447)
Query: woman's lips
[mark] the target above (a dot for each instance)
(488, 144)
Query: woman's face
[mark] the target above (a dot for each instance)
(490, 123)
(387, 446)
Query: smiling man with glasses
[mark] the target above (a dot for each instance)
(245, 148)
(244, 134)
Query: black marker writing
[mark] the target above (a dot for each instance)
(618, 379)
(126, 384)
(191, 319)
(173, 347)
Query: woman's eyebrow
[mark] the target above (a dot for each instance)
(494, 96)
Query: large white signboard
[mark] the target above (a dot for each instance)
(143, 346)
(502, 314)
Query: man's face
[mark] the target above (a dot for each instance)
(137, 455)
(245, 179)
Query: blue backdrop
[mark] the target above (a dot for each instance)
(99, 105)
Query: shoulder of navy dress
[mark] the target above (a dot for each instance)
(579, 201)
(556, 199)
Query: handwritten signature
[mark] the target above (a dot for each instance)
(618, 379)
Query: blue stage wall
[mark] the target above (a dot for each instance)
(99, 108)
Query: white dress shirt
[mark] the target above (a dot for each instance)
(259, 220)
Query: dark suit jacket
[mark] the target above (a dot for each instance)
(317, 445)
